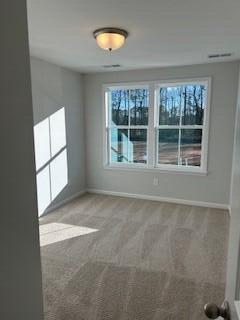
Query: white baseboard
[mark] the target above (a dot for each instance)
(162, 199)
(63, 202)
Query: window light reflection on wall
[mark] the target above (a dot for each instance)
(51, 158)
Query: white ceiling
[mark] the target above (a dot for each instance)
(162, 32)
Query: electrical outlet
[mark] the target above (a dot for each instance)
(155, 181)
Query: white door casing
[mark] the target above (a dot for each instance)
(232, 293)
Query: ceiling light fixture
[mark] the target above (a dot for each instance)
(110, 38)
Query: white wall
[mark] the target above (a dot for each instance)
(233, 262)
(54, 87)
(213, 188)
(20, 267)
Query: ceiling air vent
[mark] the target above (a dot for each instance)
(109, 66)
(219, 55)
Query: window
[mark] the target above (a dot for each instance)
(180, 124)
(127, 129)
(158, 125)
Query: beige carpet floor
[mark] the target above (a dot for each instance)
(132, 260)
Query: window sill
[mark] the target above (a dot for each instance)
(145, 168)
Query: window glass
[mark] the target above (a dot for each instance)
(168, 146)
(138, 146)
(169, 105)
(120, 107)
(139, 100)
(129, 146)
(193, 104)
(190, 147)
(119, 145)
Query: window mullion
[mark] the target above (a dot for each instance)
(179, 146)
(179, 126)
(129, 108)
(128, 143)
(129, 127)
(151, 129)
(180, 133)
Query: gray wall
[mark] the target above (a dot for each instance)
(211, 188)
(20, 267)
(54, 87)
(233, 274)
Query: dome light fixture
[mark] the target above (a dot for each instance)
(110, 38)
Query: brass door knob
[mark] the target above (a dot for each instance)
(212, 311)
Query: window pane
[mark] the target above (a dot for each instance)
(119, 145)
(119, 106)
(57, 131)
(129, 149)
(186, 101)
(41, 143)
(191, 140)
(138, 146)
(193, 104)
(139, 101)
(168, 146)
(170, 100)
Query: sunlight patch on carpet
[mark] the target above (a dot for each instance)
(55, 232)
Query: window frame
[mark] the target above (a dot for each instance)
(153, 127)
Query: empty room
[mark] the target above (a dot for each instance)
(121, 160)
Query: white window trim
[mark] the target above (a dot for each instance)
(153, 127)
